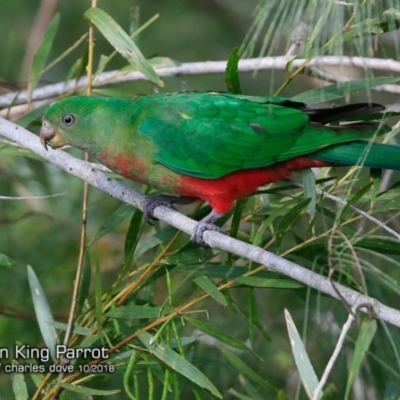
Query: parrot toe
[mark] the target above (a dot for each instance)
(201, 227)
(151, 203)
(206, 224)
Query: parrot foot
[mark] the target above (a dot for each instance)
(206, 224)
(151, 203)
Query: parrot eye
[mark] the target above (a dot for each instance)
(68, 119)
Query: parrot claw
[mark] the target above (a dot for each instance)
(206, 224)
(153, 202)
(201, 227)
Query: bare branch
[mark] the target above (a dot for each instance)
(207, 67)
(98, 179)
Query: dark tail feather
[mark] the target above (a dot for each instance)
(327, 115)
(372, 155)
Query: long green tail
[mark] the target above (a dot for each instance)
(372, 155)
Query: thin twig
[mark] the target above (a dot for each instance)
(357, 210)
(338, 348)
(102, 182)
(85, 199)
(49, 196)
(206, 67)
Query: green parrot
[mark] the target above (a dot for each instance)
(211, 146)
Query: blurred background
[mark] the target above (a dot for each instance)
(44, 233)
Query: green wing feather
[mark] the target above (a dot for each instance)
(209, 135)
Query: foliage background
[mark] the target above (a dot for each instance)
(45, 233)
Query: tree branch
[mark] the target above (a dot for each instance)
(207, 67)
(98, 179)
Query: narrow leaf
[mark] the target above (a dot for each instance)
(367, 333)
(278, 283)
(85, 281)
(360, 193)
(391, 391)
(42, 53)
(177, 362)
(232, 72)
(132, 237)
(244, 369)
(87, 390)
(292, 215)
(209, 287)
(310, 191)
(19, 386)
(337, 90)
(388, 21)
(98, 299)
(221, 336)
(6, 262)
(43, 312)
(138, 312)
(303, 363)
(66, 52)
(192, 257)
(117, 217)
(160, 237)
(121, 41)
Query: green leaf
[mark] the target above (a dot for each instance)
(87, 390)
(266, 224)
(337, 90)
(231, 72)
(177, 362)
(116, 218)
(98, 299)
(252, 314)
(379, 244)
(310, 190)
(6, 262)
(391, 391)
(291, 216)
(388, 21)
(162, 236)
(66, 52)
(196, 256)
(244, 369)
(277, 283)
(19, 386)
(32, 115)
(42, 53)
(360, 193)
(121, 41)
(367, 333)
(43, 312)
(85, 281)
(138, 312)
(131, 239)
(216, 333)
(78, 330)
(321, 24)
(104, 60)
(209, 287)
(303, 363)
(235, 225)
(252, 391)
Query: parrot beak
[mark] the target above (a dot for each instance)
(47, 132)
(51, 136)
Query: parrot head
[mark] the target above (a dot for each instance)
(50, 134)
(75, 121)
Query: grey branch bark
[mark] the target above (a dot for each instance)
(96, 178)
(207, 67)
